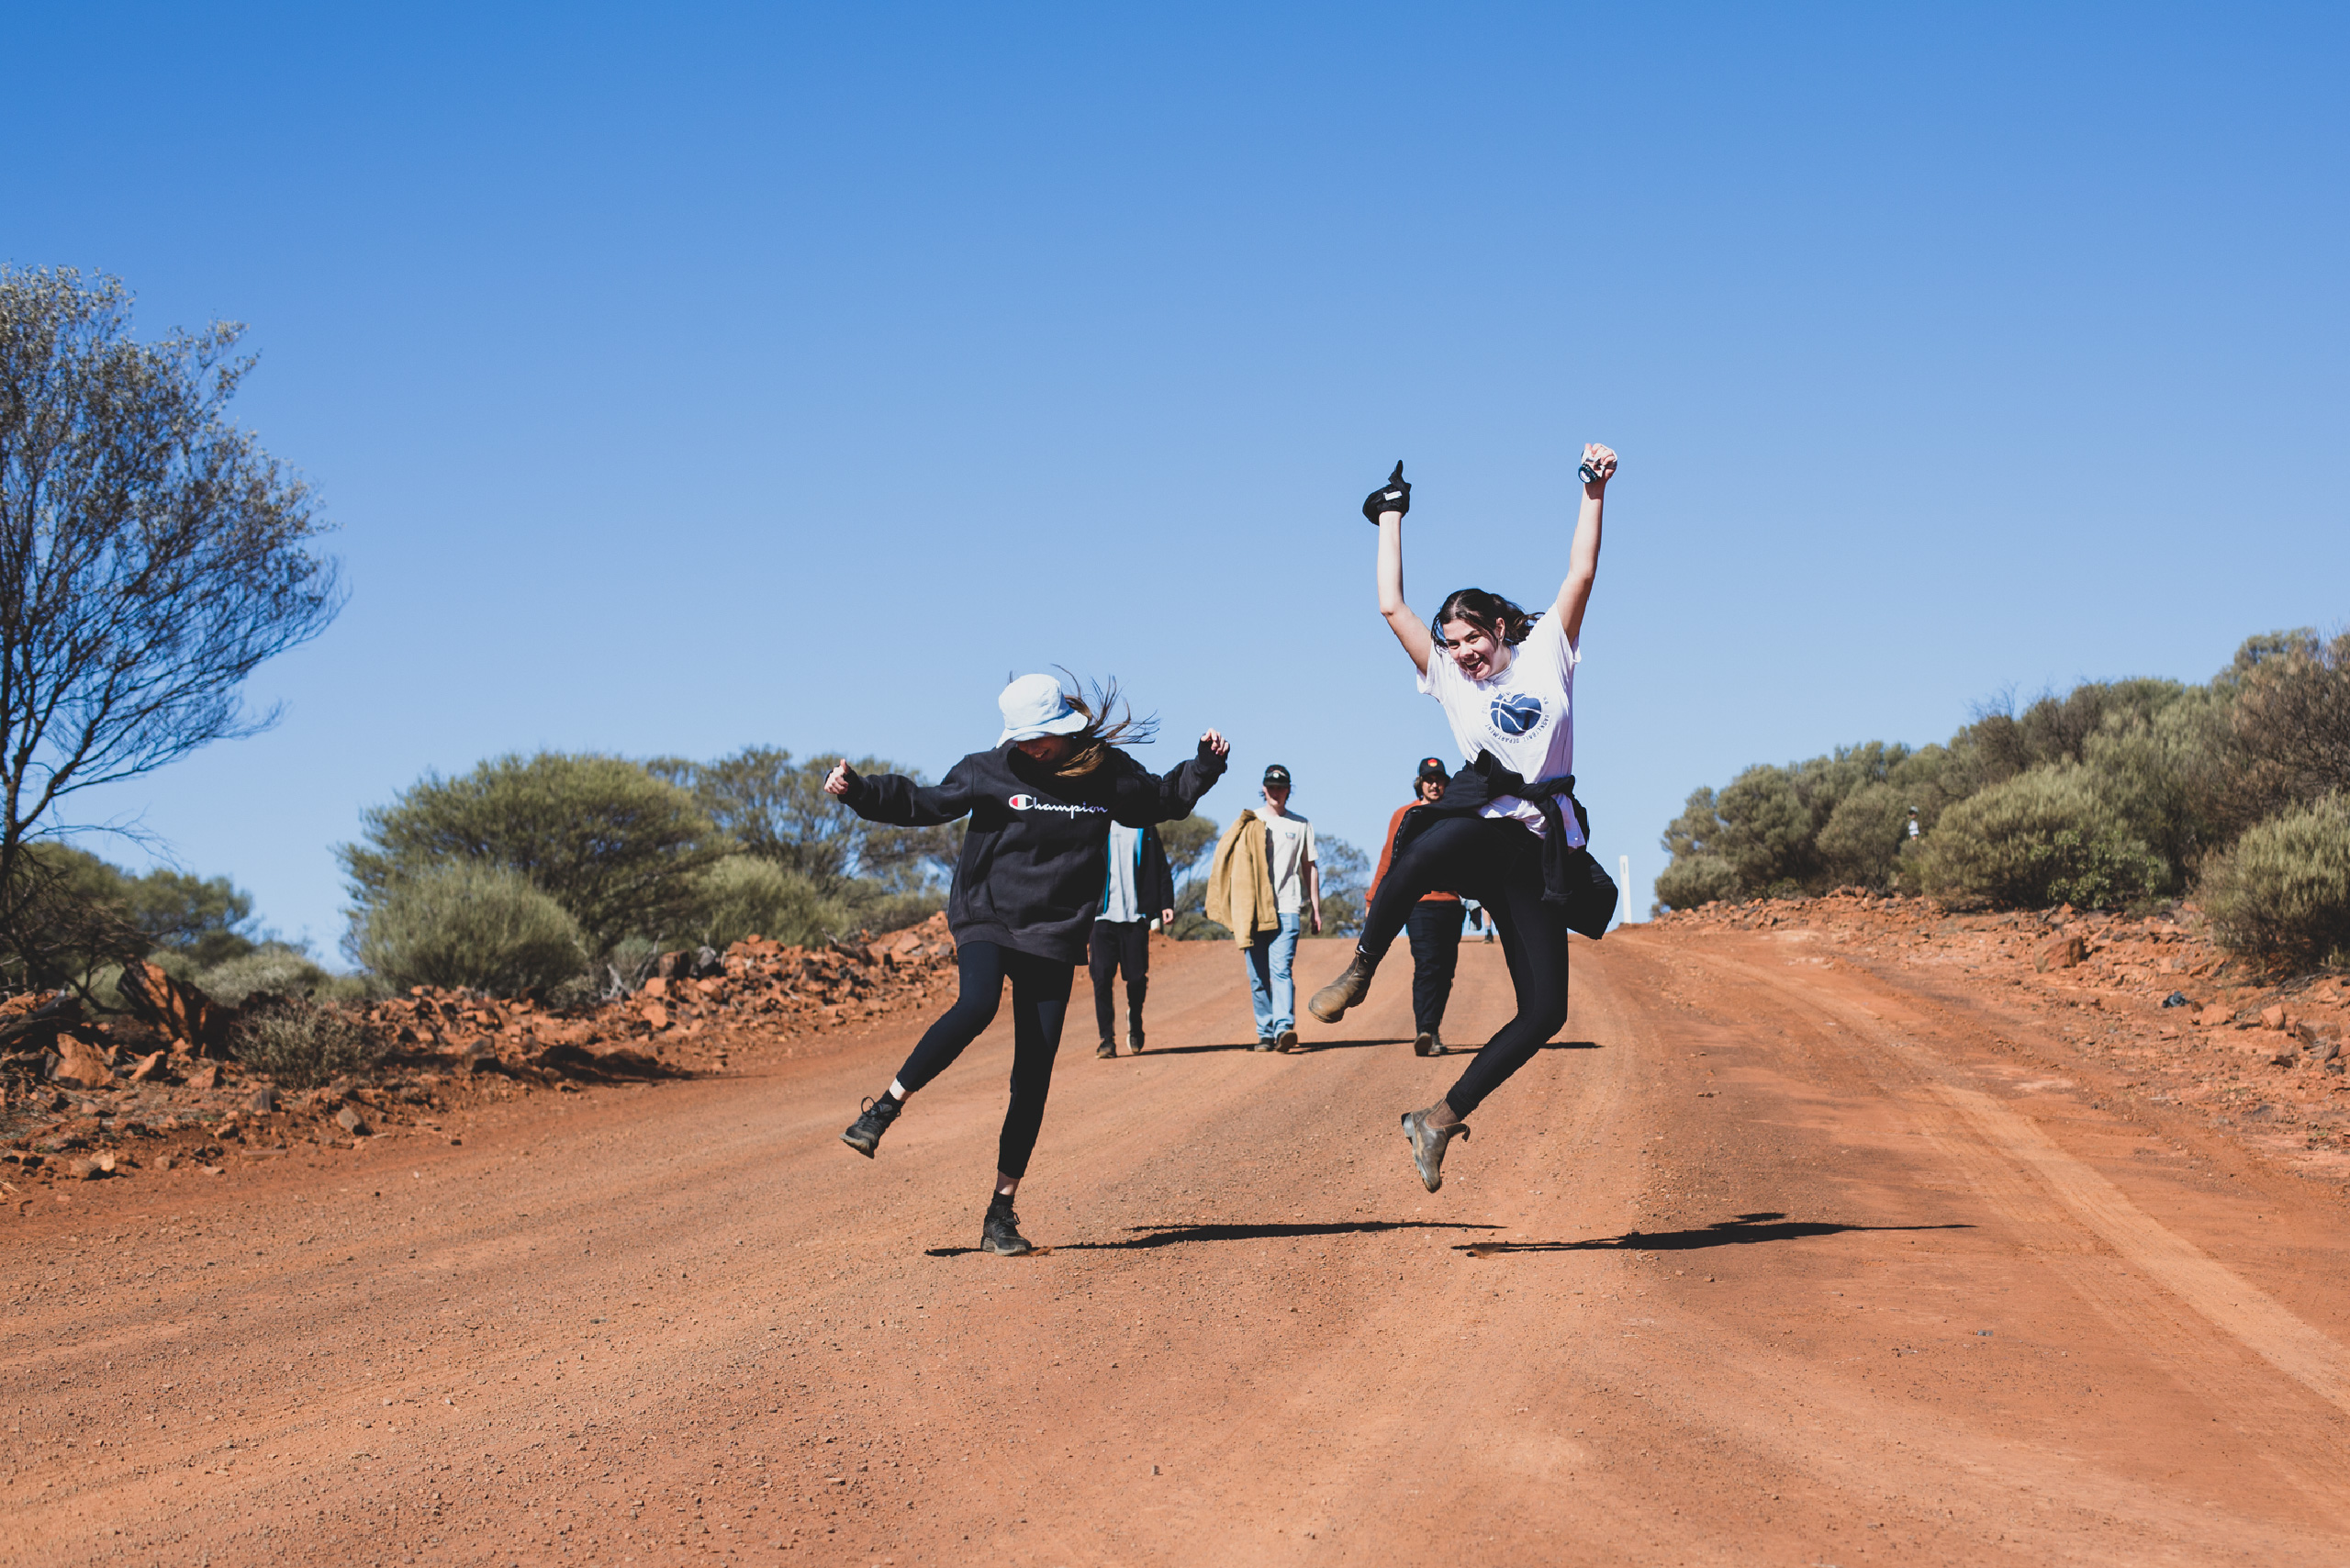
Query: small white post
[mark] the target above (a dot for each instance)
(1624, 888)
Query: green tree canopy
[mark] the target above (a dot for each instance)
(616, 847)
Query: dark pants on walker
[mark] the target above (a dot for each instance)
(1117, 943)
(1039, 1003)
(1499, 864)
(1434, 931)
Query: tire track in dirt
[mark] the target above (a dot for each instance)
(2089, 1233)
(1700, 1287)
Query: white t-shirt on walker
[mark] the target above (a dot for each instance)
(1525, 715)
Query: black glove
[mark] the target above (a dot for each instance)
(1394, 495)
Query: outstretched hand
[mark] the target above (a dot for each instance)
(1394, 496)
(1214, 744)
(841, 779)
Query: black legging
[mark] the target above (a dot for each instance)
(1117, 943)
(1039, 1003)
(1499, 864)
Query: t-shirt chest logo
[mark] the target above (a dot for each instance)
(1516, 713)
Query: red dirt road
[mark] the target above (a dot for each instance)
(1780, 1257)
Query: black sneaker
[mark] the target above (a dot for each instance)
(863, 1135)
(1427, 1146)
(1133, 1039)
(1422, 1042)
(1330, 1003)
(1001, 1234)
(1106, 1050)
(1436, 1044)
(1264, 1042)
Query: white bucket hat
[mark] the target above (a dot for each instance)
(1033, 707)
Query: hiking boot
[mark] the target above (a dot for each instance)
(1427, 1146)
(1133, 1038)
(1330, 1003)
(1001, 1234)
(1286, 1041)
(865, 1133)
(1107, 1050)
(1264, 1042)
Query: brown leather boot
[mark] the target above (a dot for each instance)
(1330, 1003)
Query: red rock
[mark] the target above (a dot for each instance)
(2273, 1017)
(152, 1065)
(80, 1062)
(180, 1011)
(2215, 1016)
(2059, 953)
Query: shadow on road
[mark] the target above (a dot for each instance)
(1744, 1231)
(1313, 1047)
(1168, 1235)
(1250, 1045)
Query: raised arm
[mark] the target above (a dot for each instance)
(1583, 557)
(894, 799)
(1144, 798)
(1386, 506)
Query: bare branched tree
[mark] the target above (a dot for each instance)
(151, 555)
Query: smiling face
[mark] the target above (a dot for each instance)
(1474, 651)
(1050, 750)
(1432, 789)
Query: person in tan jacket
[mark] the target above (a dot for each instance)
(1264, 887)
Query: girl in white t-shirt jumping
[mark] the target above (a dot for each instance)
(1507, 682)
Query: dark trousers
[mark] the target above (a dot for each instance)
(1434, 930)
(1499, 864)
(1117, 942)
(1039, 1003)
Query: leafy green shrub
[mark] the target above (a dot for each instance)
(1693, 880)
(302, 1045)
(616, 847)
(2043, 837)
(470, 924)
(2281, 893)
(275, 969)
(745, 895)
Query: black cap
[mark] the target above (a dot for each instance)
(1277, 774)
(1432, 770)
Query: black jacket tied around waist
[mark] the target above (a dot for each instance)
(1571, 877)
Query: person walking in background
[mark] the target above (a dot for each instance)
(1433, 927)
(1271, 891)
(1140, 888)
(1027, 886)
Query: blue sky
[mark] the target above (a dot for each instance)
(685, 377)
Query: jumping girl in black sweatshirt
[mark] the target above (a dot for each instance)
(1508, 832)
(1026, 888)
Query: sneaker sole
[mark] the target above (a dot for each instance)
(860, 1149)
(1019, 1251)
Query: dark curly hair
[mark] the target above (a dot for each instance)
(1489, 612)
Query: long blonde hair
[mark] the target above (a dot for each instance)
(1101, 732)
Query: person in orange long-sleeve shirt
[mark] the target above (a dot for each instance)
(1433, 927)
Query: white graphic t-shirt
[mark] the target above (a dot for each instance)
(1525, 715)
(1289, 849)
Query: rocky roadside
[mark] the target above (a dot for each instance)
(115, 1098)
(2173, 1018)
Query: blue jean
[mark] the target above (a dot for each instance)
(1270, 992)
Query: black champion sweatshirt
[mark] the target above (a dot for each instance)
(1037, 850)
